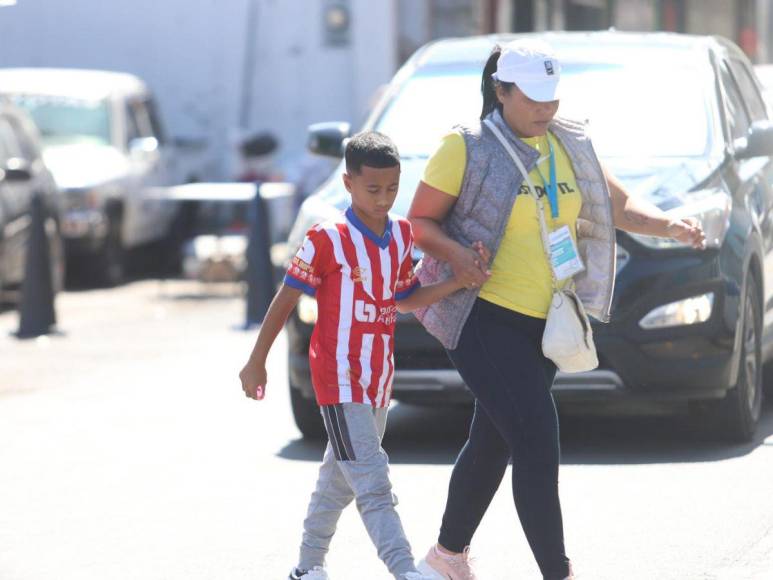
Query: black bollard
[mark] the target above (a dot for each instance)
(260, 271)
(36, 308)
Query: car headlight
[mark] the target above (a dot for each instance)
(681, 313)
(711, 207)
(307, 309)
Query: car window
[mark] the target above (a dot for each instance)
(3, 149)
(10, 143)
(749, 90)
(631, 116)
(142, 118)
(64, 120)
(737, 116)
(155, 121)
(605, 94)
(132, 125)
(27, 147)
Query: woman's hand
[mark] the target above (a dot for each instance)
(688, 231)
(470, 265)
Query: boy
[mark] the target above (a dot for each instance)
(360, 270)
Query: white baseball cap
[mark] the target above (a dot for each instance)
(532, 65)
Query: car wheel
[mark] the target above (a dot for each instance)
(767, 379)
(108, 267)
(307, 415)
(735, 417)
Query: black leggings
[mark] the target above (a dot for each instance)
(499, 356)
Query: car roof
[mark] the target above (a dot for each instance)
(72, 83)
(475, 49)
(765, 74)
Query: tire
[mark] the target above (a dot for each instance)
(735, 418)
(108, 266)
(307, 415)
(767, 380)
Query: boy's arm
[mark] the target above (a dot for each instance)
(426, 295)
(253, 375)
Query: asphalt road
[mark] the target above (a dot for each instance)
(128, 452)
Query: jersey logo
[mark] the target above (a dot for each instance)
(364, 312)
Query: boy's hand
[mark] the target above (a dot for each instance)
(254, 378)
(485, 256)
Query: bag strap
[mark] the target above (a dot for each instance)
(540, 204)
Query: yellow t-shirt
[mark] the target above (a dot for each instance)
(520, 273)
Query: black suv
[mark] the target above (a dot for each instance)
(22, 176)
(680, 120)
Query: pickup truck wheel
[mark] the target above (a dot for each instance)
(108, 265)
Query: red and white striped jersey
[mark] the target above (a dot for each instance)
(356, 277)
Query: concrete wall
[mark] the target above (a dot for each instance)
(635, 15)
(192, 54)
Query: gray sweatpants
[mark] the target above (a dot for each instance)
(355, 466)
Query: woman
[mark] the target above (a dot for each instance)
(472, 190)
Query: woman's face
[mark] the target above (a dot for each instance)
(526, 118)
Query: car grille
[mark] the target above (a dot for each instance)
(422, 360)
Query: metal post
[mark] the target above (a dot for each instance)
(260, 271)
(36, 308)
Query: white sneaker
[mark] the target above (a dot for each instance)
(439, 566)
(316, 573)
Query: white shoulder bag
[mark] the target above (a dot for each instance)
(568, 337)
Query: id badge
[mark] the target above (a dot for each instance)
(564, 257)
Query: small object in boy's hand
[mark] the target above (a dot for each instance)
(260, 392)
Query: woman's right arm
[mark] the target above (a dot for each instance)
(429, 208)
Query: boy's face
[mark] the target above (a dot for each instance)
(373, 190)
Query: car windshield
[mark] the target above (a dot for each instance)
(635, 110)
(65, 121)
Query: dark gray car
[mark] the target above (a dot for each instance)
(22, 176)
(680, 120)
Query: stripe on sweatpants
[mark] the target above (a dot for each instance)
(331, 433)
(338, 410)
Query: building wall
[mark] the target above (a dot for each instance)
(713, 17)
(635, 15)
(192, 54)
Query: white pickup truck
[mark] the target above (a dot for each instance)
(105, 146)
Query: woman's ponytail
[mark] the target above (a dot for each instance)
(487, 87)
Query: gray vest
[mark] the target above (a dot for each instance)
(491, 182)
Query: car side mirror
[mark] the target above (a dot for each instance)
(16, 170)
(143, 146)
(758, 143)
(328, 138)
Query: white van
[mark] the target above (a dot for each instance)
(104, 144)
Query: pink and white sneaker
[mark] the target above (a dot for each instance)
(442, 566)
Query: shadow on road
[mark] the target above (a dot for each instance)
(434, 436)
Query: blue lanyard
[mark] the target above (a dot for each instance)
(552, 187)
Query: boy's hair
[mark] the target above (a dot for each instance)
(370, 148)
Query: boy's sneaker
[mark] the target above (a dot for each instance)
(316, 573)
(440, 566)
